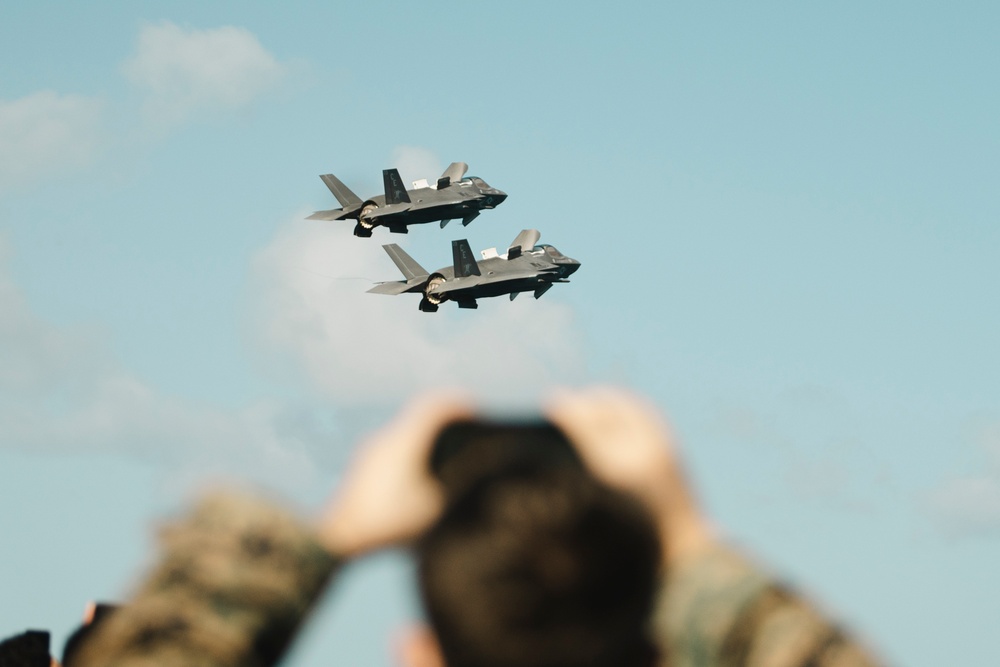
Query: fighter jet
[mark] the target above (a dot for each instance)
(525, 267)
(451, 197)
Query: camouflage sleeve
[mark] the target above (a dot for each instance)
(233, 581)
(720, 611)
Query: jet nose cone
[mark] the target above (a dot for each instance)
(569, 266)
(493, 198)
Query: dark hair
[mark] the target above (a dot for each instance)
(541, 566)
(28, 649)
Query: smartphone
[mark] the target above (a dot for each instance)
(467, 451)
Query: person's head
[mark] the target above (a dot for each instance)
(538, 566)
(28, 649)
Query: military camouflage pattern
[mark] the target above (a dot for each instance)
(237, 577)
(234, 580)
(720, 611)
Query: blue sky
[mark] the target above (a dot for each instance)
(786, 217)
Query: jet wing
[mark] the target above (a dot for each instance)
(519, 274)
(391, 209)
(459, 284)
(431, 203)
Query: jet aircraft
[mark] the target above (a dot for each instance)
(451, 197)
(525, 267)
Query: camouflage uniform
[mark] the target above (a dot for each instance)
(237, 576)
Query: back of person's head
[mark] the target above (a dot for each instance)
(541, 567)
(28, 649)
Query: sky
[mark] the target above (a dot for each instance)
(786, 215)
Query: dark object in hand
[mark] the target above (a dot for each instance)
(470, 451)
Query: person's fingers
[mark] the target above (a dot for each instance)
(422, 418)
(387, 495)
(625, 443)
(615, 432)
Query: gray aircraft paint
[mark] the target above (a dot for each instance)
(452, 197)
(525, 267)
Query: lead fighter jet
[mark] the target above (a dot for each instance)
(451, 197)
(525, 267)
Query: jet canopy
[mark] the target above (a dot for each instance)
(546, 249)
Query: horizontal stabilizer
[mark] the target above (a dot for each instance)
(465, 262)
(406, 264)
(335, 214)
(395, 287)
(454, 172)
(341, 191)
(395, 191)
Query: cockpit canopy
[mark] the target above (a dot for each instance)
(474, 180)
(546, 249)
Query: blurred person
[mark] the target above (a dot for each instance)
(28, 649)
(236, 576)
(94, 615)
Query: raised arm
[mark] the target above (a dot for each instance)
(716, 608)
(235, 578)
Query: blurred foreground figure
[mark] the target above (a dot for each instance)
(28, 649)
(528, 561)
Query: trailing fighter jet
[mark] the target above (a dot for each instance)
(525, 267)
(451, 197)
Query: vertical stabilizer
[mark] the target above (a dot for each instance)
(465, 261)
(395, 191)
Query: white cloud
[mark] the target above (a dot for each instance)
(45, 134)
(356, 348)
(969, 505)
(185, 71)
(415, 163)
(61, 390)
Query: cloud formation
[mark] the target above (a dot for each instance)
(969, 505)
(62, 390)
(314, 316)
(184, 71)
(45, 133)
(415, 163)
